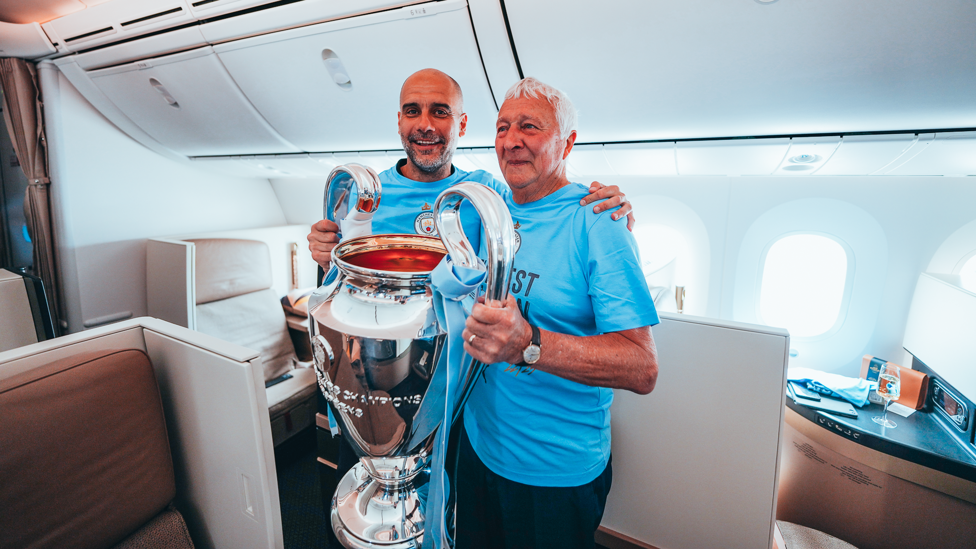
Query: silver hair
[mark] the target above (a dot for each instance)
(563, 107)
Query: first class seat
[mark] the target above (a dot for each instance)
(229, 294)
(112, 436)
(235, 302)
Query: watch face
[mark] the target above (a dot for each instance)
(531, 354)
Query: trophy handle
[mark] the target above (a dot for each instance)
(338, 191)
(498, 230)
(499, 234)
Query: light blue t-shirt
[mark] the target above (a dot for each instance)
(575, 273)
(407, 206)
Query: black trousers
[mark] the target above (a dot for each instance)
(494, 512)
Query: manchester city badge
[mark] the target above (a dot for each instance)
(424, 223)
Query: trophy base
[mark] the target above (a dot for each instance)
(370, 514)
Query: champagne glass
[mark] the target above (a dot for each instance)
(889, 388)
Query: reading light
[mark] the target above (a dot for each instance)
(805, 159)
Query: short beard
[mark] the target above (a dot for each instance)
(427, 164)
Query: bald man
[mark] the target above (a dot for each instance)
(430, 122)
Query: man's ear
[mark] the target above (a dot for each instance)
(463, 124)
(570, 141)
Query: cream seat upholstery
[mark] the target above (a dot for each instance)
(20, 323)
(235, 302)
(103, 429)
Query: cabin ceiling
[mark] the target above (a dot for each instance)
(41, 11)
(653, 81)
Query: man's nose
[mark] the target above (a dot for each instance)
(513, 139)
(426, 121)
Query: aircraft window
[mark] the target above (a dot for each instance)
(840, 344)
(968, 274)
(675, 251)
(803, 283)
(664, 258)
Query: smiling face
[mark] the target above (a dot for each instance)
(430, 122)
(531, 152)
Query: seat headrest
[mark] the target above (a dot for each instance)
(228, 267)
(85, 457)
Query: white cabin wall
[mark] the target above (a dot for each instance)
(916, 214)
(301, 198)
(111, 194)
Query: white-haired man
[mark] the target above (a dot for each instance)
(534, 461)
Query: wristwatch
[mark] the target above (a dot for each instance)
(531, 354)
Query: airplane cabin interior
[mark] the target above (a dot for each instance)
(799, 173)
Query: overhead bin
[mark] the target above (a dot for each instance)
(189, 104)
(335, 86)
(699, 68)
(866, 154)
(730, 157)
(952, 153)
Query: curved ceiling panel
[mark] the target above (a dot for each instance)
(700, 68)
(335, 86)
(189, 104)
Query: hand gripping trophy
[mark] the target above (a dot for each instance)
(399, 380)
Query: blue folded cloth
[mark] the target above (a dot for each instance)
(852, 389)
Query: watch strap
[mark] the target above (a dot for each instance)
(536, 340)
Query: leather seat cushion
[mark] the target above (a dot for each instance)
(256, 321)
(84, 453)
(287, 394)
(227, 267)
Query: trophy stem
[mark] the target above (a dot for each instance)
(369, 512)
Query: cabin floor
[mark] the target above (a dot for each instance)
(303, 519)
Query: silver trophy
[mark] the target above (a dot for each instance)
(377, 310)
